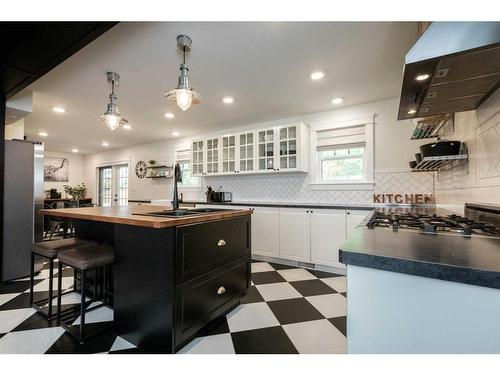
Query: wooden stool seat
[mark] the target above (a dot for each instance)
(50, 249)
(88, 258)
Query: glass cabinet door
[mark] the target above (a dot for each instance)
(246, 152)
(266, 149)
(228, 153)
(212, 156)
(287, 147)
(197, 158)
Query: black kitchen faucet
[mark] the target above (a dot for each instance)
(177, 178)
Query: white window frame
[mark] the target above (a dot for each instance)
(367, 183)
(185, 156)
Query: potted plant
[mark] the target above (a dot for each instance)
(152, 162)
(76, 192)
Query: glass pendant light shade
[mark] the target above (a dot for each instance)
(183, 98)
(112, 121)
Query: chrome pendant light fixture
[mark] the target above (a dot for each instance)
(112, 117)
(183, 94)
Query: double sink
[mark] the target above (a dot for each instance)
(180, 213)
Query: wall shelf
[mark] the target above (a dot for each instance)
(159, 166)
(158, 176)
(431, 127)
(435, 163)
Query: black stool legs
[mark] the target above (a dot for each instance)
(35, 304)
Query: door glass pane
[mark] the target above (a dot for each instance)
(243, 139)
(293, 147)
(105, 186)
(249, 165)
(232, 140)
(270, 136)
(292, 162)
(283, 133)
(283, 162)
(250, 151)
(242, 165)
(195, 146)
(262, 164)
(224, 142)
(231, 166)
(283, 148)
(243, 152)
(123, 185)
(249, 138)
(224, 154)
(262, 136)
(209, 144)
(270, 163)
(270, 149)
(231, 153)
(292, 132)
(262, 150)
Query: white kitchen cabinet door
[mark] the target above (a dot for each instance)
(354, 218)
(212, 156)
(245, 157)
(328, 233)
(295, 234)
(266, 152)
(228, 154)
(198, 157)
(265, 231)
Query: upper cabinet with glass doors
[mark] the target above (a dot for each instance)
(283, 148)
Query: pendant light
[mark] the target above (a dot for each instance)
(183, 94)
(112, 117)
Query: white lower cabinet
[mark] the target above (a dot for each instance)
(295, 234)
(353, 219)
(328, 233)
(265, 231)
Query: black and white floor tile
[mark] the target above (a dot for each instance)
(287, 310)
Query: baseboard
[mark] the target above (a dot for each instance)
(293, 263)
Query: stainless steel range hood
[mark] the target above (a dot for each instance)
(462, 61)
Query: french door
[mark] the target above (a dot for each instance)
(113, 185)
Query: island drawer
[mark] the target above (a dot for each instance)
(203, 299)
(204, 247)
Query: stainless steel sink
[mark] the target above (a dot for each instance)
(180, 213)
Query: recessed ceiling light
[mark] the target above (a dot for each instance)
(169, 115)
(127, 127)
(317, 74)
(228, 100)
(422, 77)
(175, 134)
(58, 109)
(43, 134)
(105, 144)
(75, 150)
(412, 111)
(337, 100)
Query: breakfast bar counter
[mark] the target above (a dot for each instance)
(172, 275)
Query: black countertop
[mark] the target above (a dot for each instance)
(469, 260)
(290, 205)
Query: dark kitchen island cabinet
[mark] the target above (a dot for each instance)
(175, 276)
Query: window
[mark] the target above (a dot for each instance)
(105, 186)
(342, 155)
(187, 178)
(341, 163)
(183, 157)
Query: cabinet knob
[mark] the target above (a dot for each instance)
(221, 290)
(221, 243)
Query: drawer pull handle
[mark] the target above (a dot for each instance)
(221, 290)
(221, 243)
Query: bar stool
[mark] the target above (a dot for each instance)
(49, 250)
(88, 259)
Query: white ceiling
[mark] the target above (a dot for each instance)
(265, 66)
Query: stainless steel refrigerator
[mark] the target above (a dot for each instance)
(23, 198)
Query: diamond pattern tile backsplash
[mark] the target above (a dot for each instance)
(295, 188)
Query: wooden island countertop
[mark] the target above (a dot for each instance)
(130, 215)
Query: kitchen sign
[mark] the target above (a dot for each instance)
(403, 198)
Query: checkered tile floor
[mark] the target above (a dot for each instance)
(287, 310)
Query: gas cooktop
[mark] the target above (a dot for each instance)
(432, 223)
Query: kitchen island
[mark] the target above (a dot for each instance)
(172, 275)
(415, 292)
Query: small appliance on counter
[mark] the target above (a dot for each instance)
(218, 196)
(54, 194)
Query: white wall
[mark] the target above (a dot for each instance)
(76, 171)
(393, 149)
(479, 179)
(15, 130)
